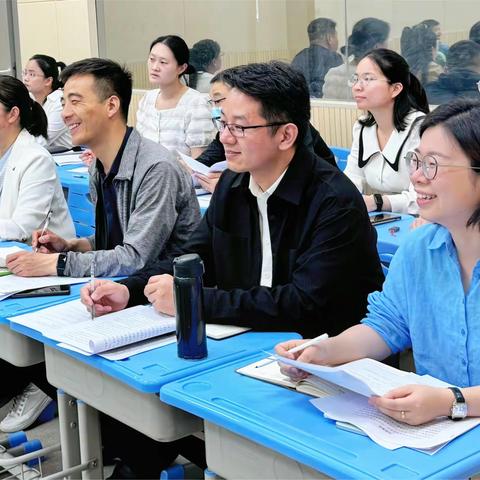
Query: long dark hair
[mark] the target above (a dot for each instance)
(179, 49)
(461, 118)
(50, 68)
(417, 45)
(13, 93)
(412, 96)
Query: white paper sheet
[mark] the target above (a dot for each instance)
(79, 170)
(355, 409)
(67, 158)
(5, 251)
(13, 283)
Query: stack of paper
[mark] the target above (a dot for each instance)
(69, 158)
(5, 251)
(367, 377)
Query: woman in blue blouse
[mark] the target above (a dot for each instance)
(431, 297)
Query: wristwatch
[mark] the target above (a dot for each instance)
(378, 201)
(61, 263)
(459, 408)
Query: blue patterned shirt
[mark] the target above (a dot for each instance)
(423, 306)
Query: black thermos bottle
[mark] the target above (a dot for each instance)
(191, 337)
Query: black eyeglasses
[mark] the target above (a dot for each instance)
(429, 165)
(214, 102)
(239, 130)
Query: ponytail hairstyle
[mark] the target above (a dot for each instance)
(417, 44)
(13, 93)
(50, 68)
(412, 96)
(202, 55)
(179, 49)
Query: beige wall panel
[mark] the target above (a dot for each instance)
(31, 14)
(76, 34)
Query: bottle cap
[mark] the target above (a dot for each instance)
(187, 266)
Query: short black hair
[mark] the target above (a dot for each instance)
(110, 79)
(281, 91)
(319, 28)
(474, 34)
(367, 34)
(203, 53)
(461, 118)
(396, 70)
(463, 54)
(50, 68)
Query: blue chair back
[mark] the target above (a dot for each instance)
(385, 260)
(341, 155)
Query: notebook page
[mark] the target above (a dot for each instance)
(116, 329)
(5, 251)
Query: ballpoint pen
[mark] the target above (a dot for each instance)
(44, 229)
(299, 348)
(92, 285)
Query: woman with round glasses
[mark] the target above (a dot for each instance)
(431, 297)
(396, 104)
(41, 77)
(173, 114)
(29, 187)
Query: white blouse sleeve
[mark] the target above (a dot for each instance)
(199, 128)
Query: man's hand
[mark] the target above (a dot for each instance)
(208, 182)
(49, 242)
(414, 404)
(159, 292)
(87, 157)
(108, 297)
(29, 264)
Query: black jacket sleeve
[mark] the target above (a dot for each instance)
(214, 153)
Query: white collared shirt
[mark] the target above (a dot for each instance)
(262, 199)
(377, 176)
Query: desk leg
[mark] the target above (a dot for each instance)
(68, 423)
(90, 440)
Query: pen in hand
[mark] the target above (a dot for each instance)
(44, 229)
(299, 348)
(92, 286)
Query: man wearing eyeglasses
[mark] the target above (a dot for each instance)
(286, 242)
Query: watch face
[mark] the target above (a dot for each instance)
(459, 410)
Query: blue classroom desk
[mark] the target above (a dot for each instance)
(15, 348)
(128, 389)
(254, 429)
(388, 242)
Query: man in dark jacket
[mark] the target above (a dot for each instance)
(461, 77)
(286, 242)
(316, 60)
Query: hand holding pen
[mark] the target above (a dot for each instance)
(44, 229)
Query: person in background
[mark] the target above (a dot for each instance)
(286, 241)
(431, 297)
(29, 190)
(474, 34)
(215, 152)
(442, 48)
(173, 114)
(145, 206)
(29, 186)
(206, 60)
(367, 34)
(396, 103)
(419, 47)
(461, 77)
(41, 77)
(316, 60)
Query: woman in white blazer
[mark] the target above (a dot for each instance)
(29, 186)
(41, 77)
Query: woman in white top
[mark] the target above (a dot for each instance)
(29, 186)
(174, 115)
(396, 104)
(41, 78)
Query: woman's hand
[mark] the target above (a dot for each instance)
(415, 404)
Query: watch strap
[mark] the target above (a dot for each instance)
(378, 201)
(61, 264)
(459, 400)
